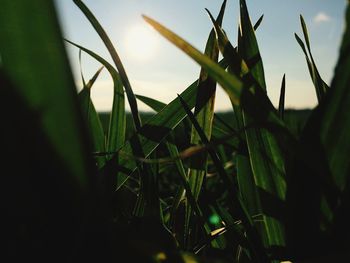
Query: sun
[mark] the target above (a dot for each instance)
(141, 42)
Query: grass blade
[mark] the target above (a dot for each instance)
(232, 84)
(148, 182)
(258, 22)
(32, 86)
(156, 105)
(115, 57)
(117, 122)
(92, 119)
(81, 69)
(249, 49)
(320, 86)
(116, 134)
(264, 148)
(282, 97)
(204, 112)
(47, 175)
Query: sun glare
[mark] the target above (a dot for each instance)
(141, 42)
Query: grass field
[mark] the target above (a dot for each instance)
(182, 184)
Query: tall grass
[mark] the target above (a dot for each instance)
(185, 185)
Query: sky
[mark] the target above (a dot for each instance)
(159, 70)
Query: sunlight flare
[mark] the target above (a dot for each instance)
(141, 42)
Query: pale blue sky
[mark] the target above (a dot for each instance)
(168, 71)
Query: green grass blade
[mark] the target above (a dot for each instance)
(147, 179)
(282, 97)
(266, 157)
(156, 105)
(47, 175)
(84, 94)
(92, 119)
(305, 32)
(117, 124)
(320, 86)
(323, 86)
(232, 85)
(246, 183)
(309, 64)
(115, 57)
(204, 112)
(45, 88)
(94, 78)
(249, 48)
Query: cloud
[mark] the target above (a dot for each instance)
(321, 17)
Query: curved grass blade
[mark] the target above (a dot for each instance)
(92, 119)
(117, 124)
(115, 57)
(147, 179)
(81, 69)
(232, 85)
(320, 86)
(282, 97)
